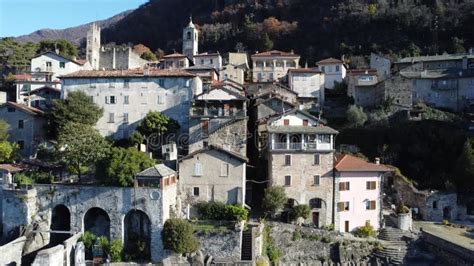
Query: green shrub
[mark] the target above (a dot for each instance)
(104, 244)
(402, 209)
(274, 199)
(115, 250)
(88, 239)
(274, 254)
(220, 211)
(329, 227)
(301, 210)
(311, 237)
(326, 239)
(365, 231)
(296, 235)
(178, 236)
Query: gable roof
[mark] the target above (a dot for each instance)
(233, 93)
(260, 101)
(330, 60)
(45, 88)
(159, 170)
(216, 148)
(350, 163)
(27, 109)
(275, 53)
(175, 55)
(294, 111)
(68, 59)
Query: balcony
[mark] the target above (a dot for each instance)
(298, 146)
(216, 112)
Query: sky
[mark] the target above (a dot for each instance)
(19, 17)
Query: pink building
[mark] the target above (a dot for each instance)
(358, 192)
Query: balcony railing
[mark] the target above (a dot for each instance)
(196, 111)
(298, 146)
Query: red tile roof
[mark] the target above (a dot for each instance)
(175, 55)
(139, 72)
(24, 77)
(330, 60)
(12, 168)
(350, 163)
(275, 53)
(25, 108)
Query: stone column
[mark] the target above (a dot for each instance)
(287, 141)
(302, 142)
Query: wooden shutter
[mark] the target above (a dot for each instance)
(305, 122)
(372, 205)
(340, 206)
(286, 122)
(341, 186)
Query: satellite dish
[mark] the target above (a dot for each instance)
(155, 195)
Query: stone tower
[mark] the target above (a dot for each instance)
(190, 40)
(93, 46)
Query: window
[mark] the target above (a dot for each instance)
(111, 117)
(197, 169)
(287, 159)
(161, 82)
(126, 99)
(49, 64)
(344, 186)
(370, 205)
(21, 144)
(337, 68)
(211, 61)
(366, 78)
(224, 169)
(11, 109)
(287, 180)
(188, 35)
(21, 124)
(317, 159)
(160, 99)
(112, 100)
(62, 65)
(305, 122)
(196, 191)
(316, 180)
(371, 185)
(315, 203)
(435, 204)
(322, 69)
(125, 118)
(92, 83)
(270, 77)
(202, 61)
(91, 99)
(126, 83)
(342, 206)
(259, 77)
(324, 138)
(112, 83)
(286, 122)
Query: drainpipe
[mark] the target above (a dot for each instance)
(333, 217)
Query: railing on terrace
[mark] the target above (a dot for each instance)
(297, 146)
(196, 111)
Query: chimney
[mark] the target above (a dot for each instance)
(292, 51)
(377, 160)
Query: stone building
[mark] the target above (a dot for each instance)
(175, 61)
(128, 95)
(358, 193)
(109, 57)
(443, 81)
(268, 90)
(273, 65)
(26, 126)
(212, 174)
(43, 97)
(213, 60)
(26, 83)
(382, 64)
(396, 89)
(122, 213)
(361, 85)
(235, 68)
(190, 40)
(300, 158)
(218, 117)
(309, 84)
(334, 71)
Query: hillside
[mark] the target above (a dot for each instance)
(73, 34)
(314, 29)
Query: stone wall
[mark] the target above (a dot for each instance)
(12, 252)
(52, 256)
(220, 245)
(116, 202)
(447, 252)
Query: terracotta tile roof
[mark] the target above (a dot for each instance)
(139, 72)
(81, 61)
(275, 53)
(175, 55)
(25, 108)
(303, 70)
(220, 149)
(350, 163)
(330, 60)
(24, 77)
(45, 88)
(12, 168)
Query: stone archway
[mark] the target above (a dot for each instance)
(137, 235)
(97, 221)
(318, 211)
(60, 221)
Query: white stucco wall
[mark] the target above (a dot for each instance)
(307, 84)
(38, 64)
(357, 197)
(331, 75)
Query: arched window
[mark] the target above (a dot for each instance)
(189, 35)
(315, 203)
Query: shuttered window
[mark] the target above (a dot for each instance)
(344, 186)
(224, 169)
(197, 169)
(288, 180)
(370, 205)
(371, 185)
(342, 206)
(317, 158)
(287, 159)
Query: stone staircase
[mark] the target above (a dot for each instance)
(396, 245)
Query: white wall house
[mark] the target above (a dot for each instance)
(128, 95)
(208, 60)
(334, 71)
(358, 193)
(273, 65)
(309, 84)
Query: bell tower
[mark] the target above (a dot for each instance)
(190, 40)
(93, 46)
